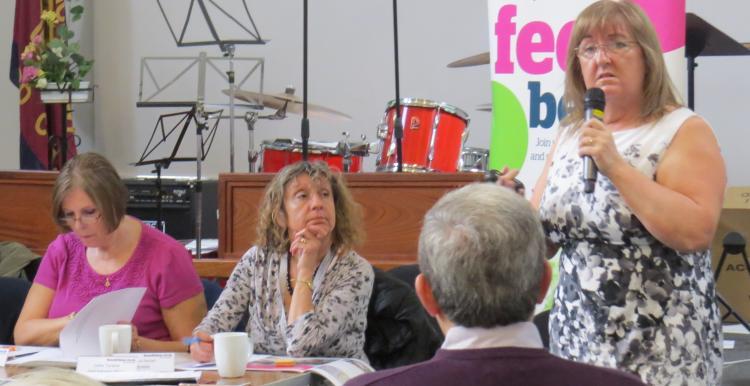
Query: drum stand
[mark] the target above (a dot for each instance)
(733, 244)
(251, 118)
(228, 50)
(252, 155)
(347, 152)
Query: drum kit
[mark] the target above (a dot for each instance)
(433, 138)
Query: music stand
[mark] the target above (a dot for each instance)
(703, 39)
(734, 244)
(216, 39)
(199, 117)
(198, 14)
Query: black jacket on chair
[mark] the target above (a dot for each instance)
(399, 331)
(12, 296)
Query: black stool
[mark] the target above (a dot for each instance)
(734, 244)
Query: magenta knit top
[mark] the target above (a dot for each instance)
(159, 263)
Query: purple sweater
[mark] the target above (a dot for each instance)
(506, 366)
(159, 263)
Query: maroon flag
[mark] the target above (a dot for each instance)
(41, 124)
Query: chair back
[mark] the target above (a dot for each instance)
(13, 292)
(399, 331)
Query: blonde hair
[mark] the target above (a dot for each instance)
(93, 174)
(348, 230)
(659, 94)
(51, 376)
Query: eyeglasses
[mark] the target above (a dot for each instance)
(613, 47)
(87, 217)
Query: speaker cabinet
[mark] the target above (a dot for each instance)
(179, 203)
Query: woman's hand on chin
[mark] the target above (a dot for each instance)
(311, 245)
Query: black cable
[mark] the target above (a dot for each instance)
(398, 130)
(305, 122)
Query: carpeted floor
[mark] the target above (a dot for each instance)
(737, 359)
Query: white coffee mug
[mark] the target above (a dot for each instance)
(231, 352)
(115, 339)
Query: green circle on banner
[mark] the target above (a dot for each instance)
(509, 140)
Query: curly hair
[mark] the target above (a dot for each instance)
(658, 90)
(348, 231)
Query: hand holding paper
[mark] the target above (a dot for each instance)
(80, 337)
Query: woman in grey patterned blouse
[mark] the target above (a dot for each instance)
(305, 289)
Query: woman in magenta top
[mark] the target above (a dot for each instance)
(103, 250)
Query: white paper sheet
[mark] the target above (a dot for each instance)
(81, 336)
(22, 351)
(124, 363)
(190, 364)
(144, 376)
(51, 356)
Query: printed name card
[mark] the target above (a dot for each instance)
(150, 362)
(4, 352)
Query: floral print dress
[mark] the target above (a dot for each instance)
(335, 328)
(626, 300)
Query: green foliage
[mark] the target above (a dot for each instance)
(58, 60)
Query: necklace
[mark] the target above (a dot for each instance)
(106, 282)
(289, 274)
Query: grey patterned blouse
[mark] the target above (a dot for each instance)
(336, 326)
(626, 300)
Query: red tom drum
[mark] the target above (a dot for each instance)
(434, 134)
(282, 152)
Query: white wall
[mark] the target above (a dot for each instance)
(350, 59)
(351, 70)
(9, 132)
(722, 86)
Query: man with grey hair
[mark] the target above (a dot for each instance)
(481, 253)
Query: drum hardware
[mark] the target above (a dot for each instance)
(347, 151)
(290, 103)
(435, 123)
(474, 60)
(228, 51)
(485, 107)
(282, 103)
(474, 159)
(382, 131)
(252, 155)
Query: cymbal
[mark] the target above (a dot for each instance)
(475, 60)
(485, 107)
(293, 104)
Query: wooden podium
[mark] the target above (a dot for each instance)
(26, 208)
(393, 205)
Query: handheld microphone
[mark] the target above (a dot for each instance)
(593, 107)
